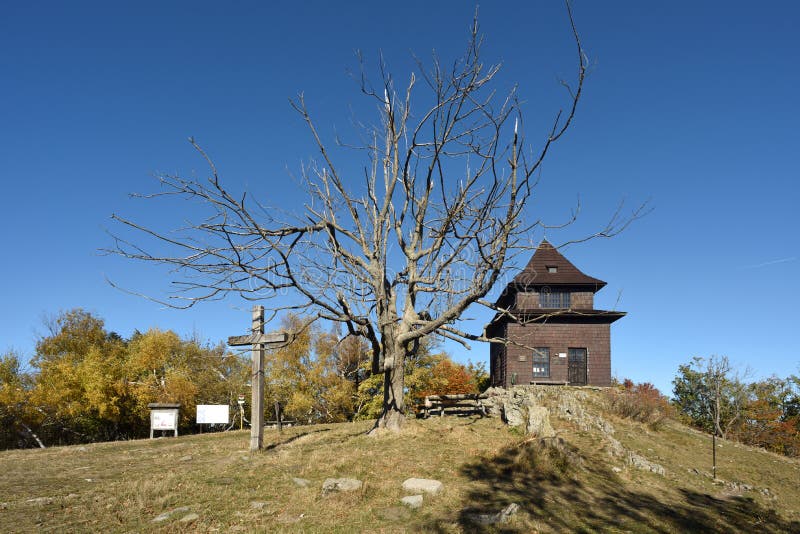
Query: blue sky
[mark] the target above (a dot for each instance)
(692, 105)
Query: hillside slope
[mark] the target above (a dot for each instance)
(568, 483)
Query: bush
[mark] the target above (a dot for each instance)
(641, 402)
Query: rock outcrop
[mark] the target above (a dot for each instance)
(531, 407)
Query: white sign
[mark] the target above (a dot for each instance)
(212, 414)
(164, 420)
(562, 354)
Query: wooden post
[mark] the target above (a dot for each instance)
(257, 380)
(278, 415)
(714, 454)
(257, 340)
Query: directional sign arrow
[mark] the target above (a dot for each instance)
(258, 339)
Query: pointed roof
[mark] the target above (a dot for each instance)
(547, 259)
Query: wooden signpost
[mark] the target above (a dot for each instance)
(259, 341)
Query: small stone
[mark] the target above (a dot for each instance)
(257, 505)
(88, 480)
(188, 518)
(302, 482)
(166, 515)
(40, 500)
(616, 469)
(332, 485)
(500, 517)
(615, 448)
(185, 458)
(82, 449)
(508, 511)
(423, 485)
(642, 463)
(412, 501)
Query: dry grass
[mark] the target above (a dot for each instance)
(563, 484)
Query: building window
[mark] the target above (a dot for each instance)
(553, 299)
(552, 269)
(541, 362)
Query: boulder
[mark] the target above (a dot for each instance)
(539, 422)
(512, 412)
(423, 485)
(332, 485)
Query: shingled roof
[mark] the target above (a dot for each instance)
(546, 259)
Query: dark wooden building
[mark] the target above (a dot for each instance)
(555, 336)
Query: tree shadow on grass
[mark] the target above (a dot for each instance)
(273, 446)
(541, 477)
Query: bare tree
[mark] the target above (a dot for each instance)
(396, 254)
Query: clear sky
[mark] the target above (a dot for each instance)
(690, 104)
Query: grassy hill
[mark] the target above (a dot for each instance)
(570, 483)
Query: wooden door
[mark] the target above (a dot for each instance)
(577, 367)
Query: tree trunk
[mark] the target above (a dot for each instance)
(394, 407)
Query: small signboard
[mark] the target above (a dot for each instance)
(212, 414)
(163, 417)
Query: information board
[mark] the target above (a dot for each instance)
(212, 414)
(164, 420)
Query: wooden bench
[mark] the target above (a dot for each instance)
(465, 404)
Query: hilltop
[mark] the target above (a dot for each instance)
(577, 481)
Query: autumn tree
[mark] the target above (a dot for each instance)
(17, 429)
(89, 384)
(771, 417)
(710, 395)
(80, 392)
(450, 378)
(162, 367)
(479, 374)
(313, 376)
(397, 252)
